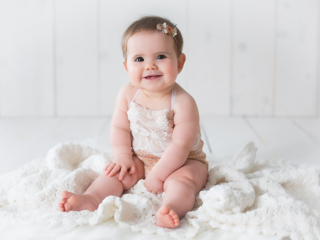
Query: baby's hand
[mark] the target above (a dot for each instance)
(153, 184)
(121, 164)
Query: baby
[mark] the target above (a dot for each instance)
(155, 131)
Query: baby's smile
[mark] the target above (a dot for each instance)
(152, 77)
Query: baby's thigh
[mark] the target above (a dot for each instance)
(129, 180)
(139, 167)
(192, 171)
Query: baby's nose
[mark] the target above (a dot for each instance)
(151, 66)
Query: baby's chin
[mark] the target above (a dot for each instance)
(153, 87)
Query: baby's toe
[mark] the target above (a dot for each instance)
(173, 214)
(67, 207)
(62, 209)
(176, 222)
(175, 217)
(164, 210)
(66, 194)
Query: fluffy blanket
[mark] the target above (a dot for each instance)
(243, 195)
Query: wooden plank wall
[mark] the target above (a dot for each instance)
(297, 70)
(244, 58)
(26, 58)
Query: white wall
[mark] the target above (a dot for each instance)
(244, 57)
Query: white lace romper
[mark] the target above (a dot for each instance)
(151, 133)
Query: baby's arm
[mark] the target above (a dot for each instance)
(186, 120)
(120, 138)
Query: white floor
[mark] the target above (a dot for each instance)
(295, 139)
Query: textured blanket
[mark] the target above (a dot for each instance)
(243, 195)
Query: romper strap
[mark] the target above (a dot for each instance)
(173, 96)
(135, 95)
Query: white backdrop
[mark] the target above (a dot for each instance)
(244, 57)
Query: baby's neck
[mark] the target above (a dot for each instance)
(159, 94)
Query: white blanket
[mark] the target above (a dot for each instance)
(243, 195)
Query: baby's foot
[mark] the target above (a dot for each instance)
(77, 202)
(167, 218)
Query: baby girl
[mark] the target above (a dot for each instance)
(155, 131)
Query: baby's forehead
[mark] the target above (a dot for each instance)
(147, 41)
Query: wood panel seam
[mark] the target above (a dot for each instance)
(231, 59)
(260, 138)
(54, 60)
(318, 72)
(310, 136)
(274, 61)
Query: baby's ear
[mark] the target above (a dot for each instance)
(181, 61)
(125, 65)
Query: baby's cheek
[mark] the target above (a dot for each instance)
(135, 74)
(174, 67)
(174, 71)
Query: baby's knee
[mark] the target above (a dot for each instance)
(180, 179)
(129, 180)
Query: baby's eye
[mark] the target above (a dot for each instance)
(139, 59)
(161, 56)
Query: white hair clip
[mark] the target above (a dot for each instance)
(167, 29)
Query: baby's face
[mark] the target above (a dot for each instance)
(152, 63)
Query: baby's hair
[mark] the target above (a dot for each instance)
(149, 23)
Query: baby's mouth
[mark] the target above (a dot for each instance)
(152, 76)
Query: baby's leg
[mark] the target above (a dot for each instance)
(181, 188)
(99, 189)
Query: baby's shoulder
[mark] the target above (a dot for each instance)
(184, 100)
(185, 108)
(127, 93)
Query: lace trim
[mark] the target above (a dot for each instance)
(152, 129)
